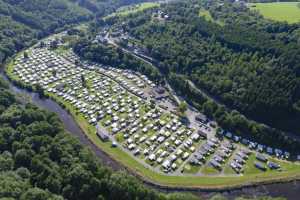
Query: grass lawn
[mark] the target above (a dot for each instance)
(206, 14)
(209, 170)
(279, 11)
(124, 11)
(291, 171)
(191, 169)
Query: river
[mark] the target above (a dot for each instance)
(289, 190)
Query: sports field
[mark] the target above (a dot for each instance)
(279, 11)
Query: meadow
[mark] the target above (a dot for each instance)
(126, 10)
(279, 11)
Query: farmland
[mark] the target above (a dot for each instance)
(279, 11)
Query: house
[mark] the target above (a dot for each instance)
(159, 90)
(195, 137)
(152, 157)
(114, 144)
(270, 150)
(273, 165)
(286, 155)
(278, 152)
(242, 155)
(218, 158)
(260, 148)
(185, 155)
(194, 162)
(202, 134)
(131, 147)
(252, 145)
(166, 164)
(215, 164)
(174, 166)
(261, 157)
(236, 138)
(101, 134)
(201, 118)
(260, 166)
(245, 141)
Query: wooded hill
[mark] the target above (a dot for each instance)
(249, 63)
(24, 21)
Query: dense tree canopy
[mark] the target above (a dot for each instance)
(23, 21)
(251, 64)
(114, 57)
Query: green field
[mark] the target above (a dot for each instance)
(124, 11)
(279, 11)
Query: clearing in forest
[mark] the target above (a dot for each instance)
(279, 11)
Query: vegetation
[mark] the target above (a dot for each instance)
(114, 57)
(206, 14)
(248, 65)
(290, 169)
(279, 11)
(39, 160)
(127, 10)
(22, 22)
(235, 63)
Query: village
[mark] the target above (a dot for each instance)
(139, 117)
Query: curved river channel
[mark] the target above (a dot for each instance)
(290, 190)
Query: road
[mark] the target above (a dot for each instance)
(204, 93)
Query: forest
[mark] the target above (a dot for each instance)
(250, 64)
(22, 22)
(114, 57)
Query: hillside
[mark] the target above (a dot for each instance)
(21, 22)
(250, 64)
(240, 71)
